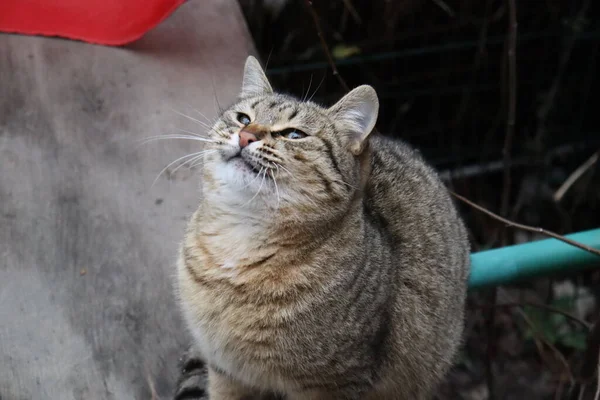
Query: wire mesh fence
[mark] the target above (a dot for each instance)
(442, 72)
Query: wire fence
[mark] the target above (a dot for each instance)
(442, 72)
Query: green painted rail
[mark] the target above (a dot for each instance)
(529, 260)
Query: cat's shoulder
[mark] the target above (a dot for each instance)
(395, 153)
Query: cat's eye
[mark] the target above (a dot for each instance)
(291, 133)
(243, 119)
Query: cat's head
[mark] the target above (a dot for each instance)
(279, 151)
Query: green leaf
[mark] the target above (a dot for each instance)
(575, 340)
(542, 323)
(342, 51)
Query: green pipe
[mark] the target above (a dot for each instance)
(539, 258)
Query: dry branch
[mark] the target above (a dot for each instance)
(541, 306)
(528, 228)
(578, 173)
(324, 45)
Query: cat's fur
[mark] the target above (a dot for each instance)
(339, 272)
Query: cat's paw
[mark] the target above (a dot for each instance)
(193, 376)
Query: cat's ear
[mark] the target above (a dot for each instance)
(255, 81)
(356, 114)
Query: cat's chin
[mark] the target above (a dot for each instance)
(238, 173)
(242, 166)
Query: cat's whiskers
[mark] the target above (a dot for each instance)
(202, 115)
(150, 139)
(194, 133)
(198, 134)
(192, 155)
(263, 169)
(308, 198)
(346, 183)
(216, 104)
(276, 166)
(317, 89)
(276, 187)
(342, 181)
(199, 161)
(219, 132)
(286, 170)
(308, 89)
(253, 179)
(201, 123)
(192, 161)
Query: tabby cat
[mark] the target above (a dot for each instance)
(324, 261)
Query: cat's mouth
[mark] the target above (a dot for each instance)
(242, 163)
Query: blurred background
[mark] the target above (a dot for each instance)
(443, 76)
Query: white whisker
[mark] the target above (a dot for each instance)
(308, 198)
(173, 162)
(253, 179)
(199, 160)
(268, 59)
(347, 184)
(217, 106)
(193, 160)
(202, 115)
(202, 123)
(260, 187)
(191, 132)
(343, 182)
(307, 90)
(276, 187)
(276, 166)
(317, 89)
(287, 170)
(165, 137)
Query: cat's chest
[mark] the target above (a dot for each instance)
(229, 244)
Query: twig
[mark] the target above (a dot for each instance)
(597, 395)
(508, 138)
(350, 7)
(540, 306)
(589, 370)
(528, 228)
(548, 102)
(578, 173)
(489, 167)
(467, 93)
(324, 45)
(445, 7)
(539, 336)
(558, 394)
(491, 345)
(590, 362)
(587, 84)
(512, 103)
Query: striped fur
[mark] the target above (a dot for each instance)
(332, 266)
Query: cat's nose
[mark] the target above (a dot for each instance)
(246, 138)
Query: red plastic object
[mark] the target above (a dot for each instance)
(107, 22)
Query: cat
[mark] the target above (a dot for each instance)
(324, 261)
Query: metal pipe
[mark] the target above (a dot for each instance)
(529, 260)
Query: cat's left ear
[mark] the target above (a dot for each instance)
(356, 114)
(255, 81)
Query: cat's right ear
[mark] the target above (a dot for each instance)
(255, 81)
